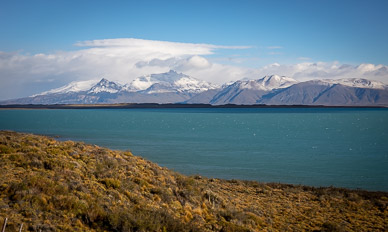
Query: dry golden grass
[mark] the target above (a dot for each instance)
(72, 186)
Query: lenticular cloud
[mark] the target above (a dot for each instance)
(156, 48)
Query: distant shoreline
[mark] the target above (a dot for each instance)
(164, 106)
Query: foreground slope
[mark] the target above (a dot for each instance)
(71, 186)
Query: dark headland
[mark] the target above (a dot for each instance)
(50, 185)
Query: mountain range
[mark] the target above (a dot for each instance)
(174, 87)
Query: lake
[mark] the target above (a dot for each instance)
(310, 146)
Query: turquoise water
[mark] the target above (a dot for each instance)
(319, 147)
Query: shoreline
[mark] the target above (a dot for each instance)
(74, 186)
(338, 188)
(175, 106)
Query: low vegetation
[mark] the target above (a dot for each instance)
(71, 186)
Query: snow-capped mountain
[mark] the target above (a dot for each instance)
(168, 82)
(276, 90)
(140, 83)
(343, 92)
(248, 91)
(105, 86)
(357, 83)
(160, 87)
(266, 83)
(155, 83)
(75, 86)
(173, 87)
(169, 87)
(192, 85)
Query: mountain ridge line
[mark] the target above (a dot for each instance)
(173, 87)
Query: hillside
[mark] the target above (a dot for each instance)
(72, 186)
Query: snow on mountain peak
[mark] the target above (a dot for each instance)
(193, 85)
(357, 83)
(140, 83)
(105, 86)
(170, 76)
(75, 86)
(277, 82)
(268, 83)
(160, 87)
(145, 82)
(171, 81)
(168, 82)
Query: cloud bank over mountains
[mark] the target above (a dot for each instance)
(125, 59)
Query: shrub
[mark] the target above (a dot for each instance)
(111, 183)
(6, 149)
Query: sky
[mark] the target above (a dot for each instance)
(45, 44)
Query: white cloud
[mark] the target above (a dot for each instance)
(154, 47)
(192, 62)
(123, 60)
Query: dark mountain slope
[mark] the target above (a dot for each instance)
(317, 93)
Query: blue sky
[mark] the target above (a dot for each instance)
(346, 31)
(284, 32)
